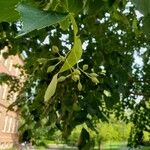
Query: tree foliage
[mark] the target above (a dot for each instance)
(79, 61)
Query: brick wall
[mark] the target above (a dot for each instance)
(9, 120)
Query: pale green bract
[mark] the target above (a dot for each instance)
(33, 18)
(74, 56)
(51, 88)
(76, 52)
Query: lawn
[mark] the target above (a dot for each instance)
(105, 146)
(120, 146)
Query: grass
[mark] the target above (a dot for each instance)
(106, 146)
(112, 148)
(145, 148)
(120, 146)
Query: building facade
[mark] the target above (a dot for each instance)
(8, 119)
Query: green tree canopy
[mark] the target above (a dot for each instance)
(79, 61)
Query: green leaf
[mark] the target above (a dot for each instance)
(146, 25)
(65, 24)
(143, 6)
(34, 18)
(120, 17)
(7, 10)
(92, 7)
(75, 6)
(51, 88)
(76, 107)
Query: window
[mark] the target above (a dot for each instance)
(5, 91)
(13, 125)
(10, 65)
(1, 92)
(9, 125)
(16, 127)
(1, 57)
(0, 118)
(16, 71)
(6, 62)
(14, 96)
(5, 124)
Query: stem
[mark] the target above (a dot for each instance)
(56, 58)
(58, 63)
(84, 72)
